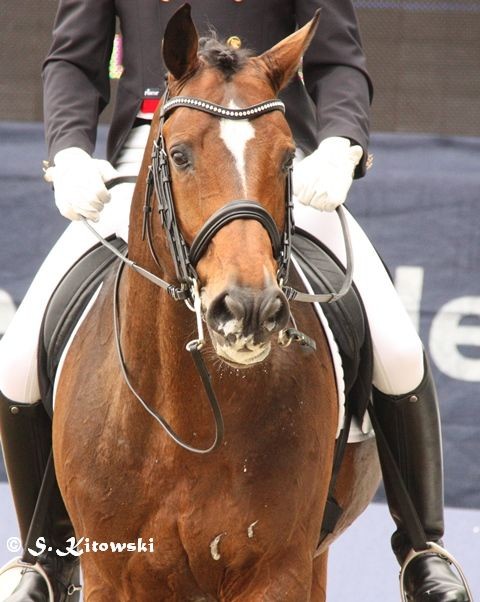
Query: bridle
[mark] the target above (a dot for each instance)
(159, 180)
(185, 257)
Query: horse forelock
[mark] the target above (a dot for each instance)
(225, 58)
(224, 64)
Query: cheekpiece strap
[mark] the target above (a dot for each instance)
(206, 106)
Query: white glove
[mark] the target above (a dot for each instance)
(78, 181)
(323, 179)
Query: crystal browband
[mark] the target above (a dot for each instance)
(206, 106)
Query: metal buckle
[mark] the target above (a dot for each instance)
(433, 548)
(178, 293)
(196, 307)
(71, 589)
(287, 335)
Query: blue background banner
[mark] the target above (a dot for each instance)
(419, 204)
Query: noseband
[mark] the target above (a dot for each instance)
(186, 257)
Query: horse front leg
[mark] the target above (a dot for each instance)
(319, 578)
(95, 588)
(288, 579)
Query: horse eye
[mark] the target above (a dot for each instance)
(180, 158)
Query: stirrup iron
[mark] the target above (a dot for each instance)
(433, 548)
(18, 563)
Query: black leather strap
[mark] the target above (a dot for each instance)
(250, 112)
(333, 511)
(409, 516)
(120, 180)
(241, 209)
(194, 348)
(37, 524)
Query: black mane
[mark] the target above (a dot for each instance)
(225, 58)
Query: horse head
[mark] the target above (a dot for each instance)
(237, 146)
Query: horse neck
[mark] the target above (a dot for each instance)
(154, 327)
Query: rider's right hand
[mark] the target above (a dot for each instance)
(79, 183)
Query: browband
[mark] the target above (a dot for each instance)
(206, 106)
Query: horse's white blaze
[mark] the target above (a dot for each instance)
(236, 134)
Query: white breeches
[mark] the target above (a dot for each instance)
(397, 349)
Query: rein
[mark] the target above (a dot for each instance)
(186, 257)
(197, 358)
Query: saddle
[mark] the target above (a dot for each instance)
(346, 317)
(66, 306)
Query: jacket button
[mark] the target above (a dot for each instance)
(234, 41)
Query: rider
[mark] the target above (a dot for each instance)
(332, 138)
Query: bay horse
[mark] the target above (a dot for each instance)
(242, 522)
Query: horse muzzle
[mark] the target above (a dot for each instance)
(241, 322)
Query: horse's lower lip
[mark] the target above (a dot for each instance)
(247, 361)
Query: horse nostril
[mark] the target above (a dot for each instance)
(241, 312)
(225, 316)
(274, 312)
(235, 306)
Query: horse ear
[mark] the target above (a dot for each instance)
(180, 43)
(282, 61)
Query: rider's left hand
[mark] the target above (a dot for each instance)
(323, 179)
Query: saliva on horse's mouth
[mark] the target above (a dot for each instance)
(240, 353)
(249, 361)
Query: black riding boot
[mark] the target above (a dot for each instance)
(411, 424)
(25, 431)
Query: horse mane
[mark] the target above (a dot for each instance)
(225, 58)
